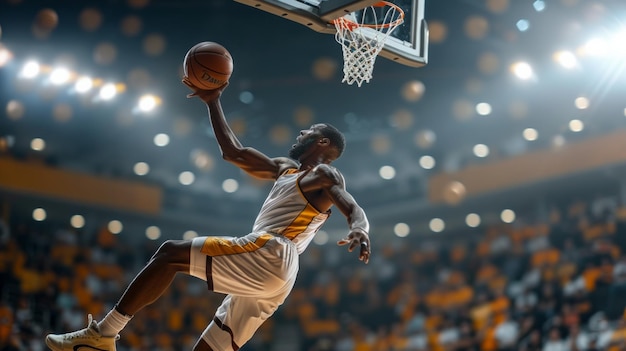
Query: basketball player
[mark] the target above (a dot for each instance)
(258, 270)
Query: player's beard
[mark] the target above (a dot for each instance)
(299, 149)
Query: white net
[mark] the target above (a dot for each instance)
(362, 36)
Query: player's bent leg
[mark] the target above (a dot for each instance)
(238, 318)
(171, 258)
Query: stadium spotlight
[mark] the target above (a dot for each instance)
(611, 46)
(148, 103)
(60, 76)
(30, 70)
(522, 70)
(83, 84)
(567, 59)
(595, 47)
(108, 91)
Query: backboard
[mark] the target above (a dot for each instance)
(408, 44)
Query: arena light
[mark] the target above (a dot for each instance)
(472, 220)
(230, 185)
(39, 214)
(141, 168)
(581, 103)
(148, 103)
(437, 225)
(387, 172)
(161, 139)
(186, 178)
(566, 59)
(427, 162)
(595, 47)
(530, 134)
(5, 55)
(483, 109)
(608, 46)
(30, 70)
(77, 221)
(153, 232)
(481, 150)
(401, 230)
(115, 226)
(507, 216)
(59, 76)
(37, 144)
(576, 125)
(83, 84)
(108, 91)
(522, 70)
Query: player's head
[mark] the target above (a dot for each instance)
(320, 139)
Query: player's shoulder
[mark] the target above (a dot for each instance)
(329, 172)
(284, 163)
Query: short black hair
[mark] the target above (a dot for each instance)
(337, 139)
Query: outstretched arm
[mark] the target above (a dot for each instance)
(334, 186)
(248, 159)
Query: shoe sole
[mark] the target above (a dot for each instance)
(53, 347)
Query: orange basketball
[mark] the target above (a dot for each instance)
(208, 65)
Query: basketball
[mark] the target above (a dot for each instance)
(208, 65)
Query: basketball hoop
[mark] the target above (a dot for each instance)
(360, 50)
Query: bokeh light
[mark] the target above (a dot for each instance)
(401, 230)
(39, 214)
(437, 225)
(77, 221)
(115, 226)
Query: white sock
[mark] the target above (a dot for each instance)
(113, 323)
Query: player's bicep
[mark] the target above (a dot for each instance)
(257, 163)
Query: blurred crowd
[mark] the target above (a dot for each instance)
(553, 282)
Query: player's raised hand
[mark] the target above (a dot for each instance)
(358, 238)
(204, 95)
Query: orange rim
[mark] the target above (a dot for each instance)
(351, 25)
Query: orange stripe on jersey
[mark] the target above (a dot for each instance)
(215, 246)
(301, 222)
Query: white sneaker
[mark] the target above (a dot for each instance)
(88, 339)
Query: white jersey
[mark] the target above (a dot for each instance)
(288, 213)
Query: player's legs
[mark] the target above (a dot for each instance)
(172, 257)
(257, 282)
(239, 317)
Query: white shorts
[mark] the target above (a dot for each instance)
(256, 271)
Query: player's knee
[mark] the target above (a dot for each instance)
(174, 252)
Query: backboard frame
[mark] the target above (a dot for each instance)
(318, 15)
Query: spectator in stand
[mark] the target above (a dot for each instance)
(555, 341)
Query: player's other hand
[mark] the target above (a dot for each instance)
(358, 238)
(204, 95)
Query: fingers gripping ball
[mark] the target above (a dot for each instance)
(208, 65)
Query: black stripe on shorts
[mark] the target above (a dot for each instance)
(227, 329)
